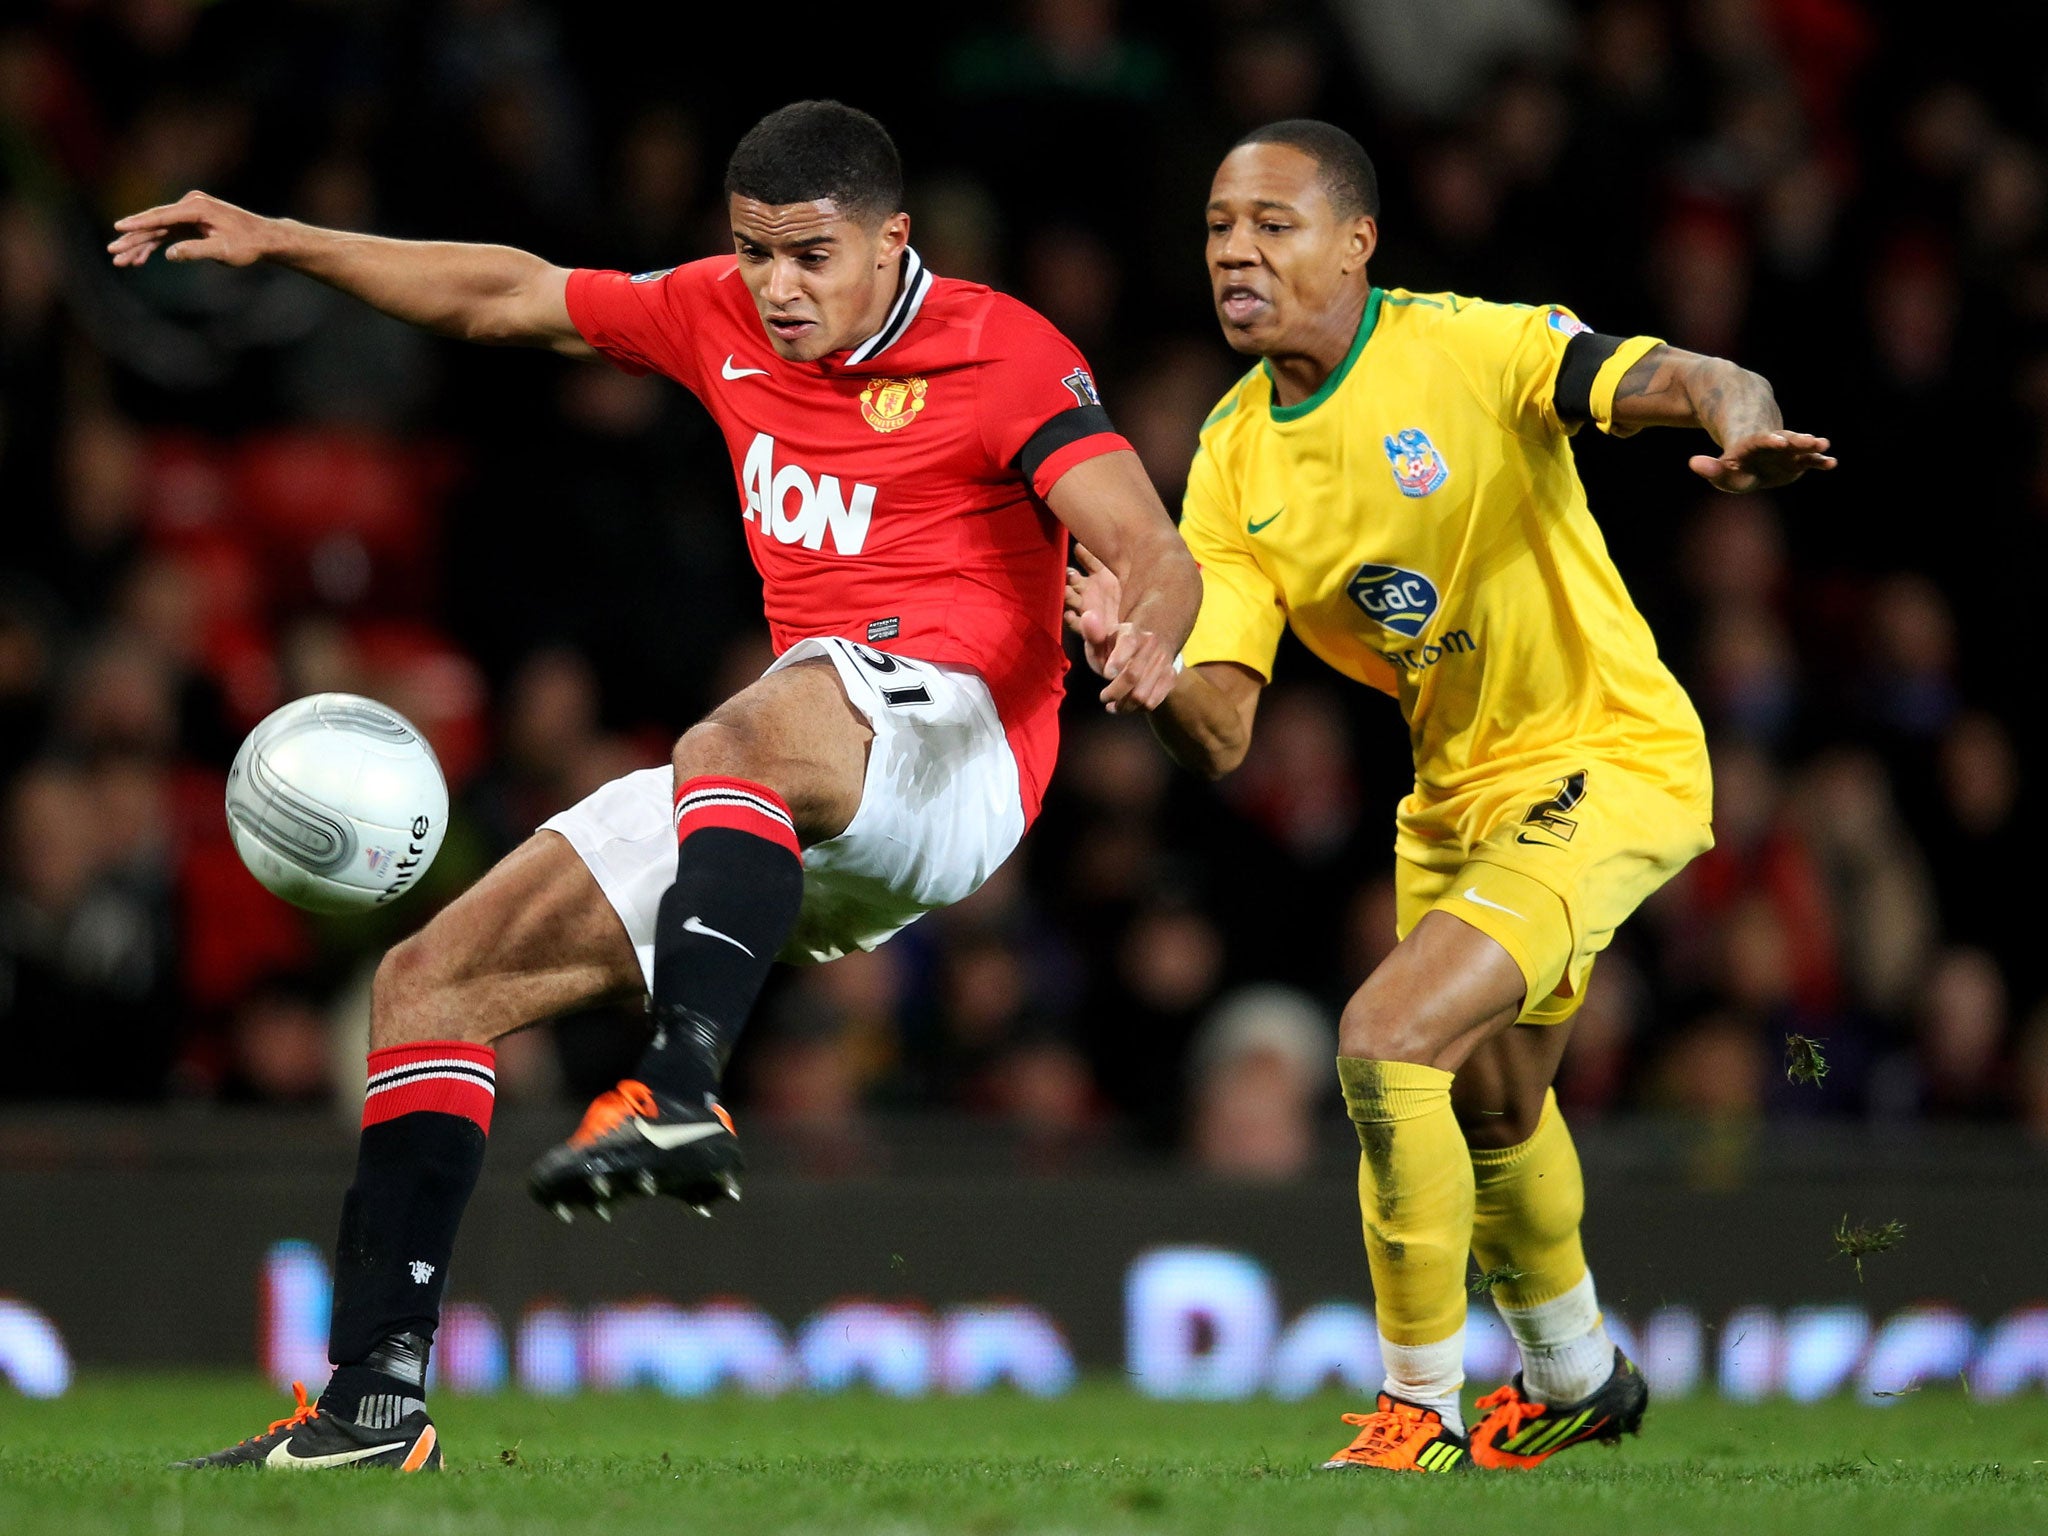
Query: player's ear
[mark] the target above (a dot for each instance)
(893, 236)
(1365, 239)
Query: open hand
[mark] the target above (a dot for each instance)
(1094, 607)
(1137, 664)
(1761, 460)
(197, 227)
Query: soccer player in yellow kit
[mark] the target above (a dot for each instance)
(1394, 481)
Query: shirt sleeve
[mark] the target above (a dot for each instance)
(639, 324)
(1242, 616)
(1040, 413)
(1549, 371)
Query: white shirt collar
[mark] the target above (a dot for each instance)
(915, 284)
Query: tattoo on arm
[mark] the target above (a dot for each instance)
(1648, 375)
(1667, 387)
(1652, 393)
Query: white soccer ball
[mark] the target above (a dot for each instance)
(337, 804)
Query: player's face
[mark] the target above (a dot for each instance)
(821, 280)
(1280, 258)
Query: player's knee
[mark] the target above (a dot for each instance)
(1378, 1034)
(402, 976)
(726, 748)
(410, 996)
(1498, 1126)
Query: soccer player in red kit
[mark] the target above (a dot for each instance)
(910, 453)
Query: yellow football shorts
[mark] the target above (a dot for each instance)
(1547, 864)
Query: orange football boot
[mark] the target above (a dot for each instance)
(1517, 1433)
(1401, 1436)
(634, 1140)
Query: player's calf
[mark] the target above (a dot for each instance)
(426, 1115)
(738, 891)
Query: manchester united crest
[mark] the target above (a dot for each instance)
(890, 405)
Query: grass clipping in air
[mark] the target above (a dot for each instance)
(1805, 1062)
(1857, 1243)
(1501, 1274)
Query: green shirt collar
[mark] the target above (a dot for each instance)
(1366, 322)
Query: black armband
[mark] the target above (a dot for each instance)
(1583, 356)
(1064, 428)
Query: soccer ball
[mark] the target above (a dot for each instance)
(337, 803)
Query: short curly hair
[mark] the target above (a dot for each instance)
(1349, 180)
(809, 151)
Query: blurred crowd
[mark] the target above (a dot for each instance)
(221, 490)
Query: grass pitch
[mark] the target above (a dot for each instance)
(1098, 1460)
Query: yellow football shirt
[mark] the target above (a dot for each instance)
(1420, 524)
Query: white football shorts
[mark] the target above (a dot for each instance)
(940, 810)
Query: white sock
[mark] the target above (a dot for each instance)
(1566, 1354)
(1430, 1375)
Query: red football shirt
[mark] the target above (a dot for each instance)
(893, 493)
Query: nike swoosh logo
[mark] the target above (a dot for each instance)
(1536, 842)
(1472, 895)
(1252, 527)
(669, 1137)
(281, 1456)
(737, 373)
(693, 924)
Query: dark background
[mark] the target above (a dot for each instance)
(220, 490)
(1675, 1218)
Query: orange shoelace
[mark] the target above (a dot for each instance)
(612, 1107)
(1387, 1432)
(1519, 1410)
(303, 1413)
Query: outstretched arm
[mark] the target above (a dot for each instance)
(1670, 388)
(488, 293)
(1110, 506)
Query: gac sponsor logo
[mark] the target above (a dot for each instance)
(1420, 658)
(1401, 600)
(792, 508)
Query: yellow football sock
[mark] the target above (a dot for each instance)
(1415, 1192)
(1527, 1203)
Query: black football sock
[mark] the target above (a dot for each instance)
(739, 887)
(425, 1119)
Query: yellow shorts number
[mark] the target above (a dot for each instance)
(1547, 865)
